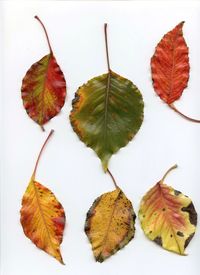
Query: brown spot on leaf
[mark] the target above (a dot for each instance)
(188, 240)
(192, 213)
(158, 240)
(179, 233)
(176, 192)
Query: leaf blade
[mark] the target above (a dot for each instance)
(43, 219)
(168, 217)
(110, 224)
(107, 112)
(43, 90)
(170, 65)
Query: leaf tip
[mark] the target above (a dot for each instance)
(42, 127)
(62, 262)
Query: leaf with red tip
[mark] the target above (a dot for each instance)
(170, 68)
(44, 88)
(168, 217)
(42, 216)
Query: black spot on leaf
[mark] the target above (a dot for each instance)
(179, 233)
(176, 192)
(188, 240)
(158, 240)
(192, 213)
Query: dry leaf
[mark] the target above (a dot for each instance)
(170, 68)
(42, 216)
(168, 217)
(110, 224)
(44, 88)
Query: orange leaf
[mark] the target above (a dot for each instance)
(44, 88)
(168, 217)
(170, 65)
(42, 216)
(170, 68)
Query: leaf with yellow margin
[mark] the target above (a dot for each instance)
(107, 113)
(42, 216)
(110, 224)
(168, 217)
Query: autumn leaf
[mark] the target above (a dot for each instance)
(170, 68)
(110, 224)
(107, 113)
(42, 216)
(168, 217)
(44, 88)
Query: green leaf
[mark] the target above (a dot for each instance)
(107, 113)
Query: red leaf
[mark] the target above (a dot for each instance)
(170, 65)
(170, 68)
(44, 88)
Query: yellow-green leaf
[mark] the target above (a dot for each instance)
(107, 113)
(168, 217)
(110, 224)
(42, 216)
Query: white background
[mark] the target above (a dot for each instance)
(70, 169)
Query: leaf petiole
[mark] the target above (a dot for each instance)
(36, 17)
(106, 42)
(40, 153)
(113, 179)
(181, 114)
(168, 171)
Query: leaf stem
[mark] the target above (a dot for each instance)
(106, 42)
(113, 179)
(168, 171)
(181, 114)
(40, 153)
(36, 17)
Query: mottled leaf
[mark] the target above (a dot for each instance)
(44, 88)
(110, 224)
(168, 217)
(107, 113)
(170, 68)
(43, 217)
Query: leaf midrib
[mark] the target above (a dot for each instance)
(42, 214)
(109, 224)
(173, 65)
(106, 107)
(44, 87)
(166, 206)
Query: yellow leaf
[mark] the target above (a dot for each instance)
(110, 224)
(168, 217)
(43, 217)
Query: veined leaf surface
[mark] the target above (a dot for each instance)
(44, 88)
(170, 68)
(107, 113)
(110, 224)
(168, 217)
(43, 217)
(170, 65)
